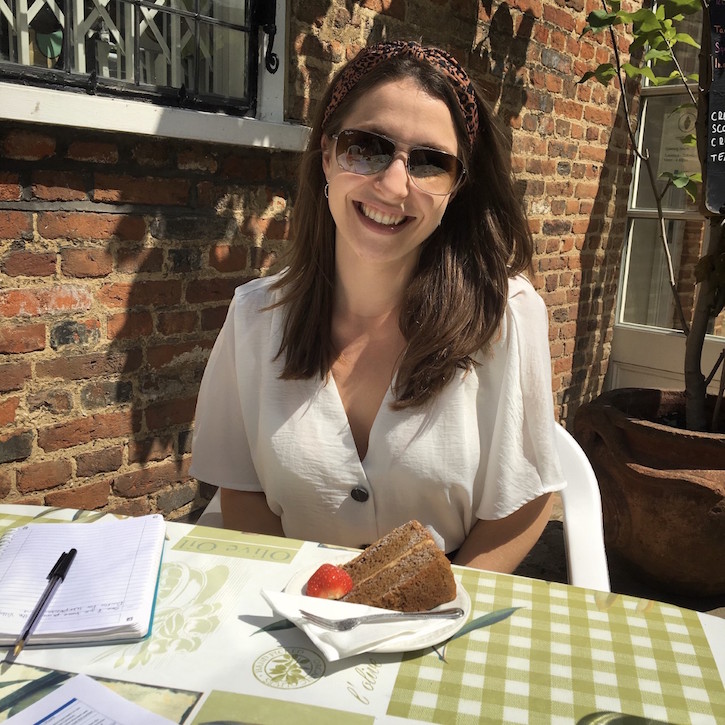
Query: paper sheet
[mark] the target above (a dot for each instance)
(83, 701)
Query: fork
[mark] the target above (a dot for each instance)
(343, 625)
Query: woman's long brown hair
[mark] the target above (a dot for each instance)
(456, 297)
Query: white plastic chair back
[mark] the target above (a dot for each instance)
(583, 527)
(212, 514)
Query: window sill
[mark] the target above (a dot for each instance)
(79, 110)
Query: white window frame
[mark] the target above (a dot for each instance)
(79, 110)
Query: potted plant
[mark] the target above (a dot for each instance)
(660, 455)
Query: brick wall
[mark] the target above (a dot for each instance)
(119, 254)
(118, 257)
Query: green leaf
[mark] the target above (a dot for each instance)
(681, 7)
(645, 21)
(600, 19)
(689, 140)
(687, 39)
(633, 71)
(603, 73)
(656, 55)
(681, 180)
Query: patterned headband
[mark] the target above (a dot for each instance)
(368, 58)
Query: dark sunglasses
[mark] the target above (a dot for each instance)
(367, 153)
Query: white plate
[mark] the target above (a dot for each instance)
(428, 637)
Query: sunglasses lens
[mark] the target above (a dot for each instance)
(432, 171)
(363, 153)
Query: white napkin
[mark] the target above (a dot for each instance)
(383, 636)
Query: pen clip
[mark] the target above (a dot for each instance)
(63, 564)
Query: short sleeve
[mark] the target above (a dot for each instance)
(220, 449)
(516, 411)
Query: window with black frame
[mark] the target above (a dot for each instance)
(184, 53)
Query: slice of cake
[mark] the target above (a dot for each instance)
(404, 570)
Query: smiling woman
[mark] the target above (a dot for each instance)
(398, 367)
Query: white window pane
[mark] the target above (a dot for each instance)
(648, 299)
(664, 123)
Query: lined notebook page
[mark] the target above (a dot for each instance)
(109, 590)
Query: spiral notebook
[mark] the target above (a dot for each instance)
(110, 589)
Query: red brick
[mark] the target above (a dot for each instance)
(15, 224)
(251, 170)
(18, 339)
(6, 483)
(29, 501)
(85, 430)
(194, 160)
(8, 409)
(213, 318)
(93, 151)
(534, 7)
(89, 497)
(10, 188)
(86, 262)
(265, 228)
(393, 8)
(170, 413)
(102, 461)
(132, 507)
(164, 354)
(28, 145)
(600, 115)
(209, 194)
(226, 258)
(141, 190)
(51, 400)
(58, 186)
(150, 449)
(40, 476)
(34, 301)
(23, 263)
(150, 479)
(133, 261)
(261, 259)
(79, 225)
(144, 293)
(129, 325)
(213, 290)
(568, 108)
(82, 367)
(173, 323)
(13, 376)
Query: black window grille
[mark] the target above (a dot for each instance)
(189, 53)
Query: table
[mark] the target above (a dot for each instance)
(563, 655)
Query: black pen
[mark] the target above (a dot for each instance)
(56, 576)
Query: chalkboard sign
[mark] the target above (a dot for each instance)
(715, 154)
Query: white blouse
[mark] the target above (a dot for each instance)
(480, 450)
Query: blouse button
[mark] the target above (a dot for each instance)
(360, 494)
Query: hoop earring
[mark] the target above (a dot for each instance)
(327, 191)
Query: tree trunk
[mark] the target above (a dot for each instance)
(694, 377)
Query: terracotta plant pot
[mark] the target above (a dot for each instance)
(663, 488)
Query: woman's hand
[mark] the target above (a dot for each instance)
(502, 544)
(248, 511)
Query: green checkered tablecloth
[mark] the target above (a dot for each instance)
(564, 655)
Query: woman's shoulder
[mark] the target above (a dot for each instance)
(257, 294)
(522, 296)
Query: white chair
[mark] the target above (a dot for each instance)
(212, 514)
(582, 504)
(583, 528)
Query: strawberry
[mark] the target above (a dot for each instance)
(329, 582)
